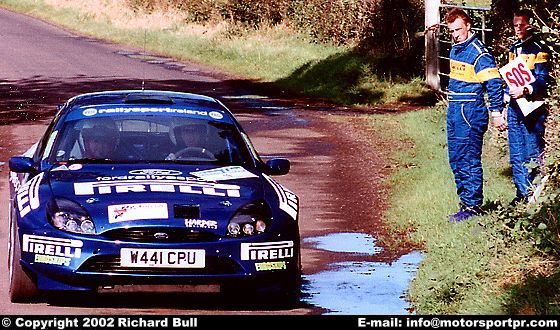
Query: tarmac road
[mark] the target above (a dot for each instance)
(41, 66)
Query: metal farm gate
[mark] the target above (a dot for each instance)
(438, 40)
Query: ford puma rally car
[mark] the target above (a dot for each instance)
(149, 191)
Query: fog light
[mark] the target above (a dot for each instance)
(234, 229)
(59, 221)
(248, 229)
(88, 227)
(261, 226)
(72, 225)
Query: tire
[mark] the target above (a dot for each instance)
(291, 293)
(22, 288)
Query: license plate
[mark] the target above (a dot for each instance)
(163, 258)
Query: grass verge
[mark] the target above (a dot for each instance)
(475, 267)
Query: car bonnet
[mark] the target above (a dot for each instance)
(140, 196)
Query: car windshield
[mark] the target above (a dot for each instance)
(149, 139)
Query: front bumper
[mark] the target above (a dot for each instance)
(57, 260)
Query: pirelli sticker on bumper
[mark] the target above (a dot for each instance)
(51, 250)
(270, 265)
(267, 250)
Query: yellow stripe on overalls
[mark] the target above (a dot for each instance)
(528, 58)
(531, 59)
(487, 74)
(462, 71)
(542, 57)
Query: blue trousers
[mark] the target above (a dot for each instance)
(526, 145)
(466, 124)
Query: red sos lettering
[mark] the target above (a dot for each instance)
(519, 76)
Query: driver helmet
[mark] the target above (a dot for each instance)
(104, 132)
(195, 132)
(100, 132)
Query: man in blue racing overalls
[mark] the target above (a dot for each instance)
(526, 133)
(473, 71)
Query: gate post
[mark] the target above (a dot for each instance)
(432, 20)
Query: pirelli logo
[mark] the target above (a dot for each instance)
(50, 246)
(157, 186)
(267, 250)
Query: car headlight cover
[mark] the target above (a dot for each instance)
(70, 216)
(251, 219)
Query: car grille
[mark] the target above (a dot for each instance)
(159, 235)
(111, 264)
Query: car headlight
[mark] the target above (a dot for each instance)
(251, 219)
(70, 216)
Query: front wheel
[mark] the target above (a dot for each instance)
(22, 288)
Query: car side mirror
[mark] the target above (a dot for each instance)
(278, 166)
(21, 164)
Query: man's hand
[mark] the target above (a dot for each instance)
(516, 92)
(499, 121)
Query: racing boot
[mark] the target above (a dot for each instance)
(465, 213)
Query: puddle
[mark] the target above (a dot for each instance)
(360, 287)
(346, 242)
(256, 101)
(242, 97)
(275, 108)
(263, 103)
(165, 62)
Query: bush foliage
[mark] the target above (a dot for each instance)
(539, 221)
(375, 26)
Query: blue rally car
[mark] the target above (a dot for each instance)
(149, 190)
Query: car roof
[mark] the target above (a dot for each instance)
(146, 97)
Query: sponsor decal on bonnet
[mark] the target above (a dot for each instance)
(224, 173)
(140, 211)
(156, 186)
(267, 250)
(171, 176)
(155, 171)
